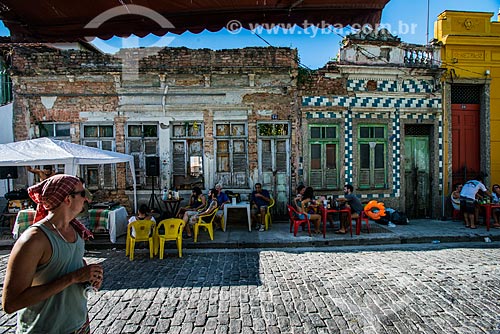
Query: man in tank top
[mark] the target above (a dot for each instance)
(46, 270)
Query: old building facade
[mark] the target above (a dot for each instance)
(470, 44)
(189, 117)
(373, 119)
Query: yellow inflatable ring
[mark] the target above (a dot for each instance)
(374, 210)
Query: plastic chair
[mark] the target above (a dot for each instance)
(205, 220)
(359, 221)
(295, 221)
(456, 215)
(172, 231)
(222, 223)
(144, 231)
(268, 219)
(199, 209)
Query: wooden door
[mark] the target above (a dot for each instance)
(274, 170)
(417, 177)
(465, 142)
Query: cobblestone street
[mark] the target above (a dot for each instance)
(404, 289)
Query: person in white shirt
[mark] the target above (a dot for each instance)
(142, 214)
(468, 201)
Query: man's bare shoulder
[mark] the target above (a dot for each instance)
(33, 242)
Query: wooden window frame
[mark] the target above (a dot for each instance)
(326, 175)
(144, 140)
(184, 176)
(234, 177)
(105, 174)
(377, 177)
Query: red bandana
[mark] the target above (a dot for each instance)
(50, 193)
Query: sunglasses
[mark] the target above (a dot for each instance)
(82, 193)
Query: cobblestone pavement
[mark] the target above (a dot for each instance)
(404, 289)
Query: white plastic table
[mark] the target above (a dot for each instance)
(241, 205)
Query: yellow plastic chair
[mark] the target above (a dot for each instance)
(172, 228)
(206, 221)
(267, 219)
(144, 231)
(222, 222)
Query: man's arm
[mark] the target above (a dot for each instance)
(20, 289)
(35, 171)
(265, 196)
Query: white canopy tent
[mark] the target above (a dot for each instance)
(46, 151)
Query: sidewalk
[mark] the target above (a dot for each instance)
(238, 236)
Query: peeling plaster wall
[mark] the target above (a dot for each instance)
(166, 85)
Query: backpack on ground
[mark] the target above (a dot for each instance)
(393, 216)
(399, 218)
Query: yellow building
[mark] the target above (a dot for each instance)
(471, 95)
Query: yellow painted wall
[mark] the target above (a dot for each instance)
(470, 47)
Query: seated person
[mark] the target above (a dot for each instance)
(305, 205)
(259, 201)
(142, 214)
(222, 199)
(353, 203)
(193, 219)
(196, 203)
(300, 192)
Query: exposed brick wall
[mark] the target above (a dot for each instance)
(29, 62)
(316, 83)
(86, 82)
(37, 61)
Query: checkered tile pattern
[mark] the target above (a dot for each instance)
(370, 102)
(356, 85)
(348, 155)
(407, 86)
(420, 86)
(420, 117)
(370, 115)
(396, 154)
(387, 86)
(396, 133)
(322, 114)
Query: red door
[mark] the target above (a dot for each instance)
(465, 141)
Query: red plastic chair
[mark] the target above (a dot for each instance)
(359, 221)
(457, 215)
(295, 221)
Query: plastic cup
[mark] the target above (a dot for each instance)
(88, 290)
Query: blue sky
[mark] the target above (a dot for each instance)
(405, 18)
